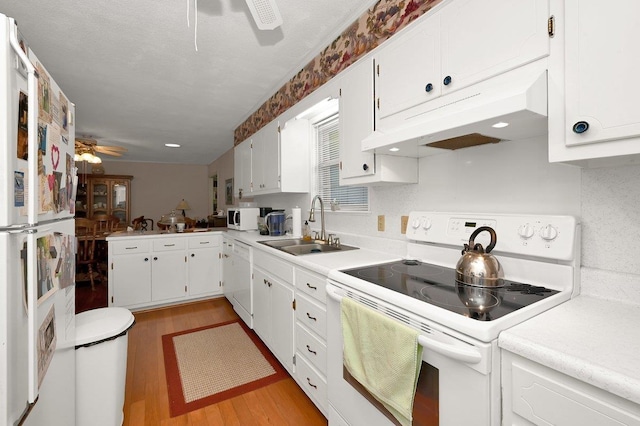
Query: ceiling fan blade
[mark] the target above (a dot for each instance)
(102, 148)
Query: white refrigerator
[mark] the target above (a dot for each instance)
(37, 242)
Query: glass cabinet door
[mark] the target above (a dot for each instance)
(99, 197)
(119, 201)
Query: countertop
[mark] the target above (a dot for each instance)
(321, 263)
(160, 233)
(588, 338)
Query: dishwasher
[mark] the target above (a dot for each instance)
(238, 283)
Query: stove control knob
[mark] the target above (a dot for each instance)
(526, 231)
(548, 233)
(416, 223)
(426, 223)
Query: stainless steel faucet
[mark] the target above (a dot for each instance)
(312, 218)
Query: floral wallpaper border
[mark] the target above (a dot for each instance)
(375, 26)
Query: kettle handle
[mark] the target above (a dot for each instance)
(494, 238)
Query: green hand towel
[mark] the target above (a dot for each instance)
(383, 355)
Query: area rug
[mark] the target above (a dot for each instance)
(210, 364)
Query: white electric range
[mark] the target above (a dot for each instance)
(540, 258)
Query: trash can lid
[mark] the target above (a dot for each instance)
(101, 324)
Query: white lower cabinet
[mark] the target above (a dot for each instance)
(537, 395)
(311, 336)
(273, 313)
(205, 275)
(150, 271)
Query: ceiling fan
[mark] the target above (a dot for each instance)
(86, 149)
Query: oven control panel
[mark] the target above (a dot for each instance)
(548, 236)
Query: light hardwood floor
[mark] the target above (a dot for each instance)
(146, 401)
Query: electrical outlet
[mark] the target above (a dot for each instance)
(381, 222)
(404, 220)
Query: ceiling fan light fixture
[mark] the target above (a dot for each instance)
(265, 13)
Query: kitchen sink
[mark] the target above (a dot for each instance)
(299, 247)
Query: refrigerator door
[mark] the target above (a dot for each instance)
(37, 340)
(37, 137)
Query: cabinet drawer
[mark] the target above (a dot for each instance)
(313, 316)
(204, 241)
(129, 247)
(312, 284)
(275, 266)
(311, 348)
(169, 244)
(312, 384)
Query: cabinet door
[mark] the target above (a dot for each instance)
(270, 155)
(262, 305)
(99, 196)
(242, 169)
(119, 200)
(169, 275)
(131, 277)
(408, 69)
(356, 121)
(282, 314)
(204, 271)
(265, 157)
(482, 39)
(602, 86)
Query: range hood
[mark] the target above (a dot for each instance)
(466, 117)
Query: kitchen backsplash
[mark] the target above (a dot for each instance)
(510, 177)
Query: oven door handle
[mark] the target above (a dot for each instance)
(467, 355)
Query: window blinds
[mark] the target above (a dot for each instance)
(349, 198)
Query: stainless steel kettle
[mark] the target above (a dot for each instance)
(477, 267)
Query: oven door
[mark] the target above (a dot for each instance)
(459, 380)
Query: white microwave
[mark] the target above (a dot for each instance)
(243, 218)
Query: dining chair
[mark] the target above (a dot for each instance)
(140, 223)
(189, 223)
(86, 232)
(106, 223)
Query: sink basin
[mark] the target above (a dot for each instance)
(299, 247)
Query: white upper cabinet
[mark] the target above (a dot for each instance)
(356, 123)
(275, 159)
(596, 117)
(356, 120)
(265, 155)
(460, 44)
(242, 169)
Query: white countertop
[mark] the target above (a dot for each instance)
(160, 234)
(588, 338)
(321, 263)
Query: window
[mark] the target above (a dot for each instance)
(348, 198)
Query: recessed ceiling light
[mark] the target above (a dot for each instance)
(500, 125)
(172, 145)
(394, 149)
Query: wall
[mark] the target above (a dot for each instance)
(156, 189)
(223, 167)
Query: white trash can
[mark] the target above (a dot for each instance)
(101, 365)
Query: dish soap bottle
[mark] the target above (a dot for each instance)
(306, 231)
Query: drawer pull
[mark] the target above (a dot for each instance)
(146, 259)
(311, 384)
(311, 318)
(155, 258)
(169, 245)
(311, 287)
(313, 352)
(204, 242)
(130, 248)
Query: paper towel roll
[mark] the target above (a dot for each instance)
(296, 222)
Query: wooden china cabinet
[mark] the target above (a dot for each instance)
(104, 194)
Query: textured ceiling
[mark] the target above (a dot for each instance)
(137, 81)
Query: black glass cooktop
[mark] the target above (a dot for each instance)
(437, 286)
